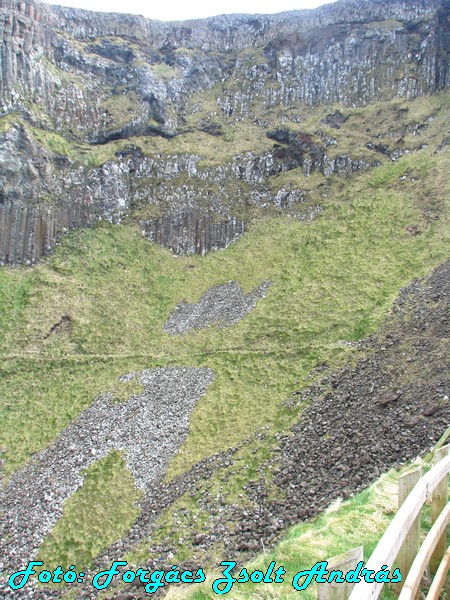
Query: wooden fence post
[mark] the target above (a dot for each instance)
(343, 562)
(411, 545)
(395, 535)
(438, 503)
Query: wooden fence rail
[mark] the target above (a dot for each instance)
(401, 540)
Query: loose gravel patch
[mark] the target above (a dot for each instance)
(388, 408)
(221, 305)
(149, 427)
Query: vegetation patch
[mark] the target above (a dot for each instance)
(97, 515)
(332, 282)
(122, 108)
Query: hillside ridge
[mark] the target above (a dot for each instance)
(223, 278)
(105, 116)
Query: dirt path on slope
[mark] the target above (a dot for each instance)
(387, 408)
(391, 406)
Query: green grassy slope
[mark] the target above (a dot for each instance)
(332, 282)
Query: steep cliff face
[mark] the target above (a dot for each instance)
(68, 61)
(104, 113)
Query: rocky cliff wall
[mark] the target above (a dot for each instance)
(66, 61)
(27, 233)
(73, 82)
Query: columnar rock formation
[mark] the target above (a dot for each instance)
(190, 232)
(75, 85)
(29, 232)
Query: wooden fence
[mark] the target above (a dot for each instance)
(401, 541)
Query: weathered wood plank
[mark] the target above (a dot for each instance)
(389, 546)
(438, 502)
(411, 545)
(440, 578)
(412, 583)
(343, 562)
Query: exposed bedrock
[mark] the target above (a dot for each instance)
(72, 81)
(345, 52)
(29, 232)
(192, 232)
(196, 203)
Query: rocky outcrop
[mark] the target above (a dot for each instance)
(66, 62)
(72, 81)
(44, 193)
(191, 232)
(27, 233)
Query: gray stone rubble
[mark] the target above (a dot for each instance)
(222, 305)
(149, 427)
